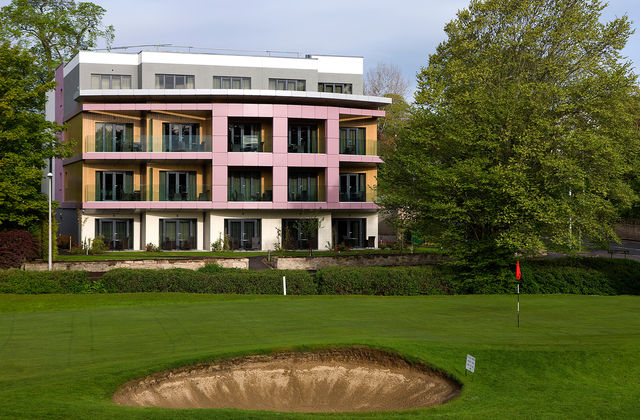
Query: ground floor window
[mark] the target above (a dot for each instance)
(244, 233)
(178, 233)
(349, 232)
(299, 233)
(117, 233)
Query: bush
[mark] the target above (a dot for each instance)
(204, 281)
(386, 281)
(16, 247)
(42, 282)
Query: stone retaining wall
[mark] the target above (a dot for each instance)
(106, 265)
(316, 263)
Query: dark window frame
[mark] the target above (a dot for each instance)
(170, 81)
(245, 82)
(345, 88)
(179, 244)
(113, 243)
(111, 77)
(299, 85)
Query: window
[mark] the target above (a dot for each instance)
(229, 82)
(115, 186)
(297, 233)
(244, 186)
(175, 81)
(335, 87)
(245, 137)
(349, 232)
(179, 137)
(244, 233)
(287, 84)
(117, 233)
(352, 141)
(303, 186)
(303, 139)
(178, 233)
(110, 81)
(353, 187)
(115, 137)
(178, 186)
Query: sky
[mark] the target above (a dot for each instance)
(400, 32)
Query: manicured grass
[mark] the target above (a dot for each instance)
(118, 255)
(62, 356)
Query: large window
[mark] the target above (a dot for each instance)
(297, 233)
(287, 84)
(178, 186)
(244, 186)
(178, 137)
(178, 233)
(352, 141)
(245, 137)
(115, 186)
(352, 187)
(115, 137)
(244, 233)
(117, 233)
(110, 81)
(303, 139)
(175, 81)
(303, 186)
(350, 232)
(335, 87)
(231, 82)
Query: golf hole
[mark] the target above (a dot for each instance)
(335, 380)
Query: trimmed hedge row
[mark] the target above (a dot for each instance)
(564, 275)
(207, 280)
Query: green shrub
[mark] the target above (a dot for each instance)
(42, 282)
(213, 268)
(204, 281)
(386, 281)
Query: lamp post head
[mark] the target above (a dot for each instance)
(49, 175)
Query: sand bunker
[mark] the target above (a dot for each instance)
(354, 379)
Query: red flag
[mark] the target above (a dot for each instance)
(518, 270)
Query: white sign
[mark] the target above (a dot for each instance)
(471, 363)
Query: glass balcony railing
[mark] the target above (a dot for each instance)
(159, 143)
(359, 147)
(311, 146)
(353, 196)
(147, 192)
(251, 144)
(239, 195)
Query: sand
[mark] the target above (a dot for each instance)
(336, 380)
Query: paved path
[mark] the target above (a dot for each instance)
(255, 263)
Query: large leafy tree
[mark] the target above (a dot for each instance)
(27, 139)
(523, 134)
(54, 30)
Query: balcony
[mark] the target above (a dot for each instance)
(147, 192)
(249, 185)
(146, 144)
(363, 147)
(355, 196)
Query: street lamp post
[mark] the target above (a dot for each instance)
(50, 176)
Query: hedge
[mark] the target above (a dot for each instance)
(44, 282)
(596, 276)
(206, 281)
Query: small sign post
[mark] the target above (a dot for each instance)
(518, 275)
(284, 285)
(471, 364)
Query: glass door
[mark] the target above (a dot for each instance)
(352, 141)
(178, 233)
(181, 137)
(112, 186)
(117, 233)
(303, 139)
(352, 187)
(244, 233)
(349, 232)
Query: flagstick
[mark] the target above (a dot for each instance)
(518, 305)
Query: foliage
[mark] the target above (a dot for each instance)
(16, 247)
(27, 140)
(309, 227)
(384, 281)
(54, 30)
(523, 136)
(41, 234)
(221, 244)
(44, 282)
(208, 280)
(98, 246)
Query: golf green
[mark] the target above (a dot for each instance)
(63, 356)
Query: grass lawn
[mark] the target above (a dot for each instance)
(118, 255)
(62, 356)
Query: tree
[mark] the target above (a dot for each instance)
(309, 227)
(54, 30)
(385, 79)
(523, 134)
(27, 139)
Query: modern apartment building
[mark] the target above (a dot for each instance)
(180, 149)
